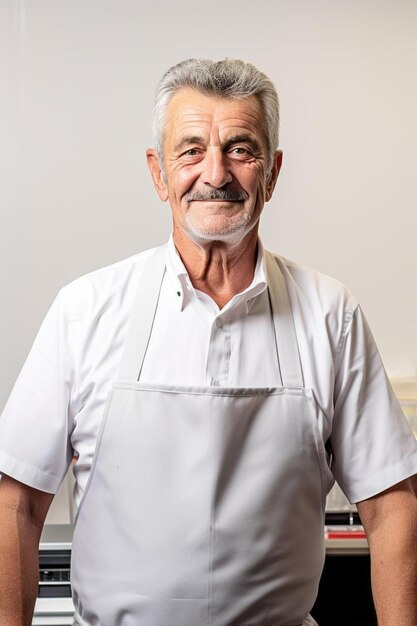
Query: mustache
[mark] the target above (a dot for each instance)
(227, 193)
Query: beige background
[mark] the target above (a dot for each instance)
(76, 85)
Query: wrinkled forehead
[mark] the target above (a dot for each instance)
(191, 110)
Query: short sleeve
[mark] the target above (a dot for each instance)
(372, 444)
(35, 424)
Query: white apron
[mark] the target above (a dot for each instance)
(205, 505)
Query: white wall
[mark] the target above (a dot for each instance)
(77, 79)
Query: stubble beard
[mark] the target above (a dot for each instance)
(231, 232)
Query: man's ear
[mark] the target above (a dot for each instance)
(273, 175)
(156, 173)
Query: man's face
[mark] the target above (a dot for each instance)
(215, 166)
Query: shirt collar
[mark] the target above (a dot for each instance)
(180, 281)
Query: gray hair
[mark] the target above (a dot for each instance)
(230, 78)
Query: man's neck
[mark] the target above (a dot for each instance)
(219, 269)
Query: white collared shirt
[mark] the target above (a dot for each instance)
(209, 346)
(57, 404)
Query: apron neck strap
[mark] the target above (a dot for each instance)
(146, 302)
(285, 335)
(143, 315)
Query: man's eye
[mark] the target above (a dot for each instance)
(240, 152)
(191, 152)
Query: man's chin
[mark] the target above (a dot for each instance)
(231, 234)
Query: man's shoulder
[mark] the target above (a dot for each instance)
(312, 287)
(112, 283)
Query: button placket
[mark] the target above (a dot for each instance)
(219, 352)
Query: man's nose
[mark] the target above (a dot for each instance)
(216, 170)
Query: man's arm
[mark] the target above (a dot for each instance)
(22, 515)
(390, 523)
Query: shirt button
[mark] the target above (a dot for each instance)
(219, 322)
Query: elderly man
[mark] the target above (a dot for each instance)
(210, 391)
